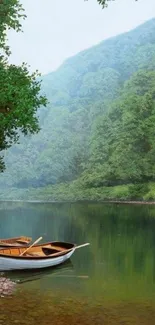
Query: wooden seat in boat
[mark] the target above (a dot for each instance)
(53, 247)
(22, 241)
(34, 254)
(45, 251)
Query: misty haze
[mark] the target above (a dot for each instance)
(77, 155)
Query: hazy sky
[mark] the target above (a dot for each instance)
(57, 29)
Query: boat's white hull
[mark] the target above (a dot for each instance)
(8, 263)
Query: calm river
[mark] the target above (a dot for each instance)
(110, 282)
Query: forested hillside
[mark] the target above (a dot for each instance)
(99, 126)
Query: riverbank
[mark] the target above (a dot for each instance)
(130, 193)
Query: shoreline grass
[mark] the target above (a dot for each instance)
(131, 193)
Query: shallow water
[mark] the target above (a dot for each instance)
(110, 282)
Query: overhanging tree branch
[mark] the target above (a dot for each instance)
(19, 90)
(104, 3)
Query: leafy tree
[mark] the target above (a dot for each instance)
(104, 3)
(19, 90)
(123, 146)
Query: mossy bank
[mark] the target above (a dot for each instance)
(75, 192)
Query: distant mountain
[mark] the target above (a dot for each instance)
(80, 92)
(116, 58)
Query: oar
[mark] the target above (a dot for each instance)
(69, 249)
(79, 246)
(40, 238)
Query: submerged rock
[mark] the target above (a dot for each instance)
(7, 287)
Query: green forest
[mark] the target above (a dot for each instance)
(97, 132)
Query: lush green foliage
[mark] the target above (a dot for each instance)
(11, 12)
(104, 3)
(123, 146)
(19, 90)
(74, 191)
(99, 130)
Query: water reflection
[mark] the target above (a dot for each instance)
(120, 263)
(23, 276)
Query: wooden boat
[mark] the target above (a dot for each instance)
(38, 256)
(16, 241)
